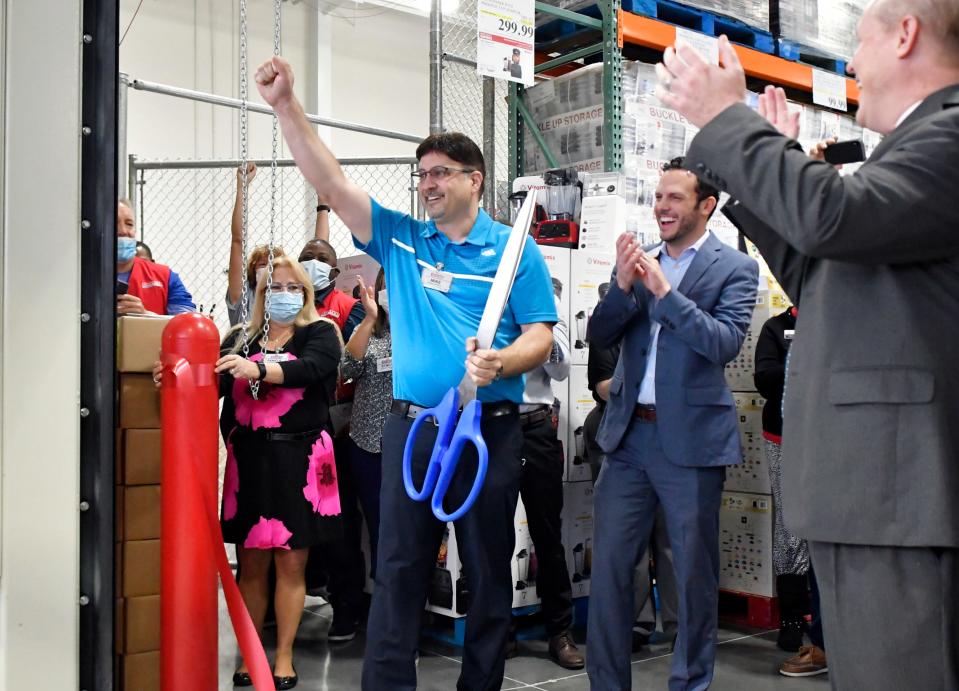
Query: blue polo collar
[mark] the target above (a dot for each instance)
(479, 234)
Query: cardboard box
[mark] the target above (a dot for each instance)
(578, 534)
(739, 371)
(357, 265)
(602, 220)
(581, 402)
(448, 592)
(449, 589)
(141, 457)
(141, 672)
(141, 513)
(561, 410)
(557, 263)
(590, 276)
(142, 627)
(525, 565)
(139, 402)
(752, 475)
(141, 568)
(138, 342)
(746, 544)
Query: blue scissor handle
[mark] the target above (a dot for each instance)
(445, 416)
(467, 432)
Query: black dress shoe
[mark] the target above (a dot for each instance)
(242, 679)
(285, 682)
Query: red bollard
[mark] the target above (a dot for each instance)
(188, 594)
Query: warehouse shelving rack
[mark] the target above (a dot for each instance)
(617, 29)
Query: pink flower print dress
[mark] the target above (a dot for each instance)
(280, 490)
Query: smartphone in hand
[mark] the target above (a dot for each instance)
(122, 287)
(849, 151)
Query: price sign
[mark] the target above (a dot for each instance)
(829, 90)
(504, 40)
(706, 46)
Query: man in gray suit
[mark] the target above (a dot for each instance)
(871, 441)
(680, 312)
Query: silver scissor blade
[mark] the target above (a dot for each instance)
(502, 285)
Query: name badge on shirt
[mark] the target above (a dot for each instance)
(437, 280)
(276, 357)
(384, 364)
(788, 334)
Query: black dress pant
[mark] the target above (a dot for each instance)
(410, 537)
(542, 492)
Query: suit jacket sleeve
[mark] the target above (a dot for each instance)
(612, 315)
(716, 335)
(785, 263)
(892, 210)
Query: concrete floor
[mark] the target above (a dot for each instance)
(746, 660)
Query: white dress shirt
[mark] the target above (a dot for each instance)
(674, 270)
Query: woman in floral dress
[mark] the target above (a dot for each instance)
(280, 494)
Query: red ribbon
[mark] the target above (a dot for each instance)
(251, 647)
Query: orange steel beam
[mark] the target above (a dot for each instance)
(651, 33)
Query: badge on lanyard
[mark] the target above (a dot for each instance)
(276, 357)
(384, 364)
(434, 279)
(788, 334)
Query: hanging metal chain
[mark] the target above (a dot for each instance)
(275, 154)
(244, 165)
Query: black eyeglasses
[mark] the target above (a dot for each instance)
(439, 173)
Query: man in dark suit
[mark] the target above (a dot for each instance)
(870, 444)
(680, 312)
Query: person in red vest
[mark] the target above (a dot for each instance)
(341, 561)
(319, 259)
(144, 287)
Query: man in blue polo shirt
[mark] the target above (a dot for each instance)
(438, 278)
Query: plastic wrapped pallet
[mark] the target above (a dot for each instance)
(752, 12)
(827, 25)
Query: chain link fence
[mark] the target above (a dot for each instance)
(183, 211)
(463, 108)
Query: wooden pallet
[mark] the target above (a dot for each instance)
(693, 18)
(814, 57)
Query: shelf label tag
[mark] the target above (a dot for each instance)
(829, 90)
(706, 46)
(504, 40)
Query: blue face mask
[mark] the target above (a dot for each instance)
(285, 306)
(320, 273)
(126, 249)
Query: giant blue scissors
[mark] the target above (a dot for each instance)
(452, 434)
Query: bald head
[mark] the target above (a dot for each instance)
(939, 19)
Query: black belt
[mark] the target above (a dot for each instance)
(534, 417)
(288, 436)
(411, 410)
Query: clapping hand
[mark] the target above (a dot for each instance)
(774, 107)
(628, 252)
(695, 88)
(368, 299)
